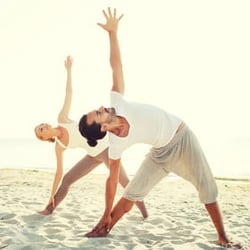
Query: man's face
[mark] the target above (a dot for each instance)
(100, 116)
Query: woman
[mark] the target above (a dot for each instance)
(66, 135)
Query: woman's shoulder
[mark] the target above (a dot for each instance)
(65, 121)
(68, 123)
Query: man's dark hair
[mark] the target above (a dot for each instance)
(91, 132)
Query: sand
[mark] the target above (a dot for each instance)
(176, 218)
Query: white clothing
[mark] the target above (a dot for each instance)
(148, 124)
(76, 140)
(182, 156)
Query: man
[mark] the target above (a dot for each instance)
(174, 147)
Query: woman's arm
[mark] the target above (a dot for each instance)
(59, 173)
(63, 115)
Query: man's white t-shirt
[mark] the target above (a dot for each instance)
(148, 124)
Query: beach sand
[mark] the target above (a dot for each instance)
(176, 218)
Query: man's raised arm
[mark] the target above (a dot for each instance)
(111, 27)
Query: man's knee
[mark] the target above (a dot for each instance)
(208, 193)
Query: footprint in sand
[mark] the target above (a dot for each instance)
(3, 246)
(34, 217)
(6, 216)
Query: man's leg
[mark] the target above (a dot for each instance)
(122, 207)
(215, 215)
(147, 176)
(124, 180)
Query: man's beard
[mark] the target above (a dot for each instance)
(110, 111)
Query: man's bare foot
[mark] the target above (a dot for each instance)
(44, 212)
(229, 244)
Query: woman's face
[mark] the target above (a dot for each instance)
(42, 131)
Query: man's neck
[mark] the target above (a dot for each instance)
(122, 127)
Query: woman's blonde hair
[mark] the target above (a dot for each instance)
(52, 139)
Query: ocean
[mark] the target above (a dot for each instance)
(230, 161)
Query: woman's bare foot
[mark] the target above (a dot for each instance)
(45, 212)
(97, 233)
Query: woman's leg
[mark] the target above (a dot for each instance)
(82, 168)
(123, 180)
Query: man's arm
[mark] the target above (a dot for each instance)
(63, 115)
(111, 27)
(116, 64)
(103, 226)
(111, 185)
(118, 85)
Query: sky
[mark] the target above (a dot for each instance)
(191, 58)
